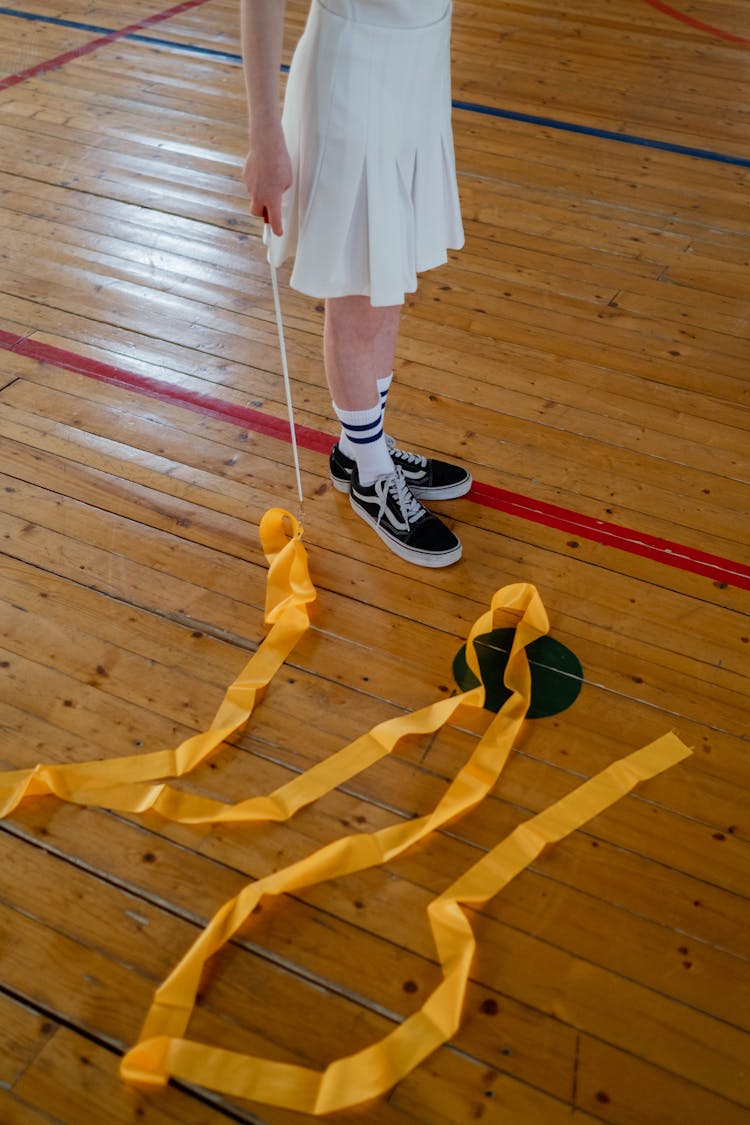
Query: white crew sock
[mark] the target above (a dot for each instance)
(363, 439)
(383, 388)
(345, 445)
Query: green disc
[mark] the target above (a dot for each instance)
(556, 672)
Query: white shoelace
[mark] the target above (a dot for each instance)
(410, 458)
(410, 508)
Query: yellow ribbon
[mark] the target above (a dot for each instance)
(126, 784)
(162, 1050)
(121, 783)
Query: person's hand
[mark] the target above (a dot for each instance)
(268, 174)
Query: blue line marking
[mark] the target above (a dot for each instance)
(605, 134)
(191, 48)
(469, 107)
(55, 20)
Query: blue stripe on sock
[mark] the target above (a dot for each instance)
(365, 440)
(347, 426)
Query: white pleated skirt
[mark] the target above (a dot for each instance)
(367, 120)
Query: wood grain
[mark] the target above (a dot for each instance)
(588, 348)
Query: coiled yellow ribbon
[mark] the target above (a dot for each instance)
(127, 784)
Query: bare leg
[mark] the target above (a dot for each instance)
(359, 344)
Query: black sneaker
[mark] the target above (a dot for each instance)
(399, 519)
(426, 478)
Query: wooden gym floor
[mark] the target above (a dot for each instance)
(586, 355)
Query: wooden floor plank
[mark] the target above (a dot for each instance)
(194, 522)
(138, 912)
(75, 1079)
(415, 681)
(587, 349)
(221, 454)
(155, 865)
(145, 552)
(693, 519)
(17, 1112)
(578, 390)
(23, 1034)
(111, 1018)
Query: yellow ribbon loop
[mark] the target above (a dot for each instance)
(163, 1051)
(121, 783)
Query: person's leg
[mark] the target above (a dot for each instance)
(360, 343)
(359, 340)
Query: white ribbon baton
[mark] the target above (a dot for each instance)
(285, 370)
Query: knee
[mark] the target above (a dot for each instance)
(355, 316)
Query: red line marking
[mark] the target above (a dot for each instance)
(219, 408)
(9, 341)
(513, 503)
(95, 44)
(697, 24)
(613, 535)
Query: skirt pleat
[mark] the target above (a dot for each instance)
(367, 120)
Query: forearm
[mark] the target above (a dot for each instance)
(268, 171)
(262, 29)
